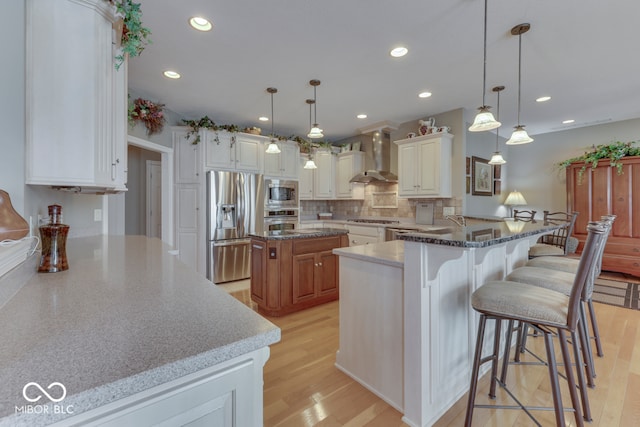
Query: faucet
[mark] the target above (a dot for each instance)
(459, 220)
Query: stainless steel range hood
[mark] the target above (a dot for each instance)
(381, 143)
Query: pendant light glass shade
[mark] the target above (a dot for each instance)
(272, 148)
(519, 135)
(496, 158)
(315, 131)
(484, 119)
(310, 164)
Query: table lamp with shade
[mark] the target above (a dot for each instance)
(515, 198)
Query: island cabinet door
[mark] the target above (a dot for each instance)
(327, 273)
(304, 267)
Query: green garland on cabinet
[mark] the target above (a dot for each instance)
(135, 36)
(613, 152)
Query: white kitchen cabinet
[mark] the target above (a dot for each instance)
(233, 151)
(348, 165)
(324, 180)
(187, 158)
(189, 229)
(76, 110)
(283, 164)
(305, 179)
(364, 234)
(224, 395)
(424, 166)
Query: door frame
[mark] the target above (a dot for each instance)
(166, 159)
(151, 164)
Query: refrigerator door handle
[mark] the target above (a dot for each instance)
(234, 242)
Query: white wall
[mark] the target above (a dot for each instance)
(533, 167)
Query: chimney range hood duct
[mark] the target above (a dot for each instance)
(381, 156)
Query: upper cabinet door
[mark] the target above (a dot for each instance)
(248, 152)
(187, 157)
(76, 115)
(324, 181)
(233, 151)
(283, 164)
(424, 166)
(348, 165)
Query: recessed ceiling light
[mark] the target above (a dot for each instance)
(567, 122)
(424, 94)
(263, 119)
(543, 99)
(397, 52)
(171, 74)
(361, 116)
(200, 23)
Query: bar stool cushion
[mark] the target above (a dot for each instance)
(559, 281)
(542, 249)
(520, 301)
(570, 265)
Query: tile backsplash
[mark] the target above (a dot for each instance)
(380, 201)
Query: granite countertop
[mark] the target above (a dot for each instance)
(388, 253)
(299, 234)
(125, 317)
(481, 234)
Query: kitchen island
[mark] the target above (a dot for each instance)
(422, 329)
(129, 335)
(292, 270)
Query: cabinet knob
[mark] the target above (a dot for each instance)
(320, 264)
(316, 264)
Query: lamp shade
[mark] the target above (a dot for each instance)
(519, 136)
(273, 148)
(315, 132)
(484, 121)
(497, 159)
(515, 198)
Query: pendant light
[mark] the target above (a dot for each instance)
(272, 148)
(484, 119)
(315, 131)
(519, 135)
(310, 164)
(497, 158)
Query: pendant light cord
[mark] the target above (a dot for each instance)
(484, 69)
(498, 118)
(519, 72)
(315, 106)
(272, 120)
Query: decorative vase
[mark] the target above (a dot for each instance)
(54, 243)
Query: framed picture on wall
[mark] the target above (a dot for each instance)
(481, 177)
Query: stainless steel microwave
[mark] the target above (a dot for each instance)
(280, 193)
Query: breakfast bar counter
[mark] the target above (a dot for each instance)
(129, 335)
(414, 317)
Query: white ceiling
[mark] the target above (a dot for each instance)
(582, 53)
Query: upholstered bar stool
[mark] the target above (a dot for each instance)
(562, 281)
(570, 265)
(555, 244)
(551, 313)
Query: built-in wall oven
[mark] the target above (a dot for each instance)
(280, 219)
(280, 194)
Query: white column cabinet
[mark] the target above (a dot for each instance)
(324, 180)
(76, 111)
(189, 209)
(424, 166)
(283, 164)
(233, 151)
(348, 165)
(305, 180)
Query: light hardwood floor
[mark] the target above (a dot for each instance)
(302, 387)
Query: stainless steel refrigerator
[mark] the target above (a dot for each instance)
(235, 208)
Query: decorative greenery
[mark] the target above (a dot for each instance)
(206, 123)
(613, 152)
(149, 113)
(134, 36)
